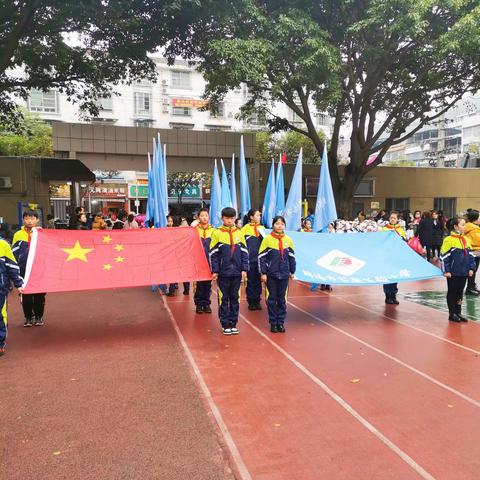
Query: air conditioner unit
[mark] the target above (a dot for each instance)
(166, 101)
(5, 182)
(164, 90)
(165, 110)
(164, 82)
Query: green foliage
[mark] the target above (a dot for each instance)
(290, 142)
(82, 47)
(31, 136)
(388, 67)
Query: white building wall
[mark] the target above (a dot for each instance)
(161, 112)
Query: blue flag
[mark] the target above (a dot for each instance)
(280, 190)
(269, 202)
(244, 185)
(149, 208)
(233, 186)
(160, 191)
(358, 259)
(325, 210)
(293, 208)
(226, 197)
(164, 181)
(216, 199)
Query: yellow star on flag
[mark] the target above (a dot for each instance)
(118, 248)
(77, 252)
(107, 239)
(119, 259)
(107, 267)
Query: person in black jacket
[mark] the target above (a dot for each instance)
(81, 223)
(431, 232)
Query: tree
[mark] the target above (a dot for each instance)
(82, 48)
(179, 182)
(30, 136)
(291, 143)
(389, 67)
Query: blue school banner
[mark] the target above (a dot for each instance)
(358, 259)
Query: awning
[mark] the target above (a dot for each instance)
(65, 169)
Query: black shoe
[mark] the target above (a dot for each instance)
(199, 309)
(395, 301)
(258, 306)
(28, 322)
(169, 294)
(252, 307)
(38, 322)
(281, 328)
(453, 317)
(389, 301)
(274, 328)
(323, 287)
(207, 309)
(186, 292)
(471, 291)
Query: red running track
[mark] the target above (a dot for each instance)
(353, 390)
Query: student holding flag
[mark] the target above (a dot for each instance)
(204, 288)
(9, 272)
(391, 289)
(229, 264)
(277, 264)
(254, 234)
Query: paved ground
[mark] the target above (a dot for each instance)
(103, 391)
(354, 390)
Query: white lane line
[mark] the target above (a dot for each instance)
(241, 467)
(418, 329)
(346, 406)
(391, 357)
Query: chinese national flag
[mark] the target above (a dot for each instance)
(67, 260)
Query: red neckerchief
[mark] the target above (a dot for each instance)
(394, 228)
(463, 241)
(308, 230)
(230, 231)
(255, 228)
(204, 229)
(280, 242)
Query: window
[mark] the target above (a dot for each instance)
(447, 205)
(143, 101)
(144, 122)
(105, 103)
(181, 79)
(217, 128)
(46, 102)
(181, 111)
(181, 126)
(258, 119)
(399, 204)
(220, 111)
(321, 119)
(295, 117)
(366, 188)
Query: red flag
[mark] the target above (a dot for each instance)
(67, 260)
(284, 157)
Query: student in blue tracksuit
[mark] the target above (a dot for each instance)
(203, 289)
(254, 233)
(229, 263)
(33, 304)
(391, 289)
(458, 264)
(9, 272)
(276, 259)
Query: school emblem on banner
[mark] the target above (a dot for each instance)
(340, 262)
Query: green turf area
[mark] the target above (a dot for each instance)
(471, 305)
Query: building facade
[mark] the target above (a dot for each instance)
(174, 101)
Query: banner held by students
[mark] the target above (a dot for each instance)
(358, 259)
(69, 260)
